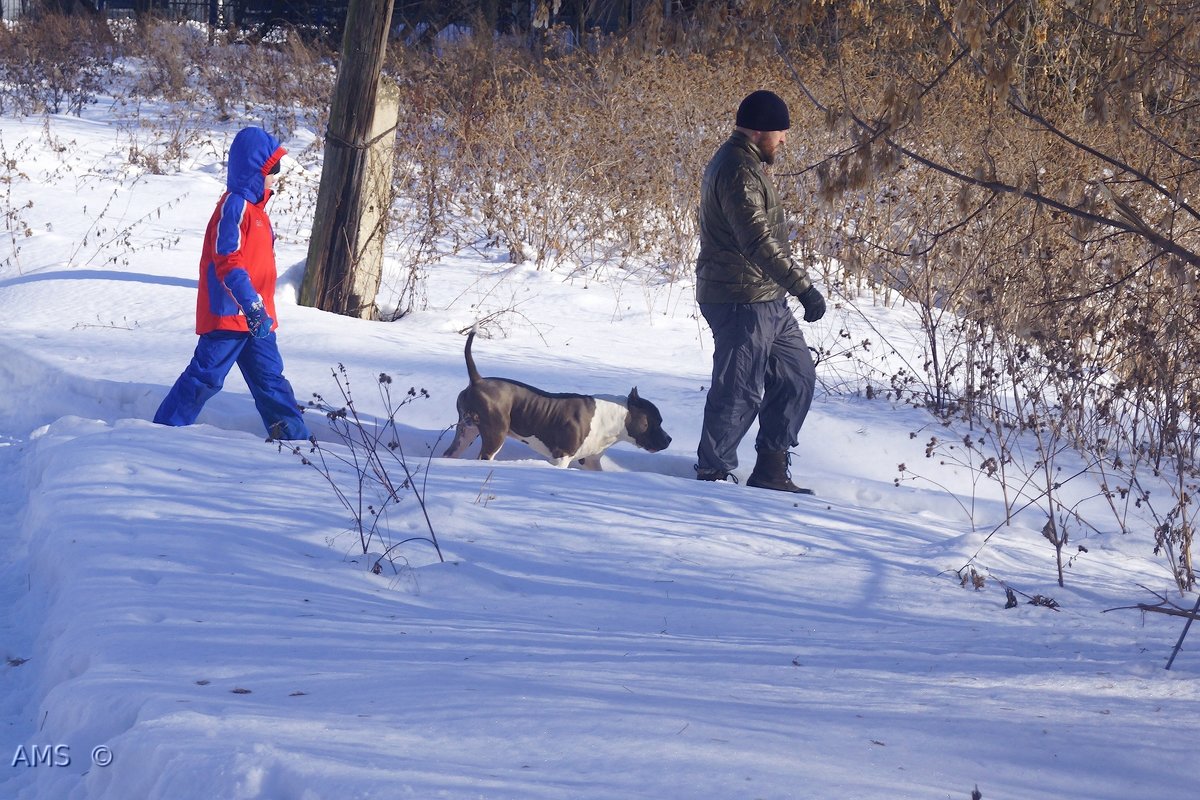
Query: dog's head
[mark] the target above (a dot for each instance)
(644, 424)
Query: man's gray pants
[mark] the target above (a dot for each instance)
(761, 368)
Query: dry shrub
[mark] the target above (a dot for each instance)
(169, 54)
(51, 63)
(580, 158)
(281, 85)
(286, 84)
(301, 81)
(1023, 177)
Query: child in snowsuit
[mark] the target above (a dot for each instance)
(235, 306)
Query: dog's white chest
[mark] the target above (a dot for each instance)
(608, 428)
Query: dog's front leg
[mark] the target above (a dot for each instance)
(465, 432)
(492, 442)
(591, 463)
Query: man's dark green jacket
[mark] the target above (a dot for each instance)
(744, 251)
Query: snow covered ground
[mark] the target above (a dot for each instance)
(185, 614)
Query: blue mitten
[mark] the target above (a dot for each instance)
(258, 320)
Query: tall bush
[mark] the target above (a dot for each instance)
(53, 63)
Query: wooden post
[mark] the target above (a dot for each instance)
(376, 203)
(335, 244)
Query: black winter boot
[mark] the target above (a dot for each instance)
(771, 472)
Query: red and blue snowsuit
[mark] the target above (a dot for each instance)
(237, 278)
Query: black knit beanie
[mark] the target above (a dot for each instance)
(763, 111)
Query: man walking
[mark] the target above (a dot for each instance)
(744, 274)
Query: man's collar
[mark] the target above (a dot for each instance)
(743, 139)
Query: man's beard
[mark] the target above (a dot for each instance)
(768, 156)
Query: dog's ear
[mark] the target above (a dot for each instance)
(633, 395)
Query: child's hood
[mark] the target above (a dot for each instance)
(251, 156)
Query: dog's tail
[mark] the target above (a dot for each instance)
(472, 372)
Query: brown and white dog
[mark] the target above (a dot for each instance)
(565, 428)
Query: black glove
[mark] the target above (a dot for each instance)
(813, 302)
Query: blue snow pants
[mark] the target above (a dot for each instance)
(761, 368)
(261, 366)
